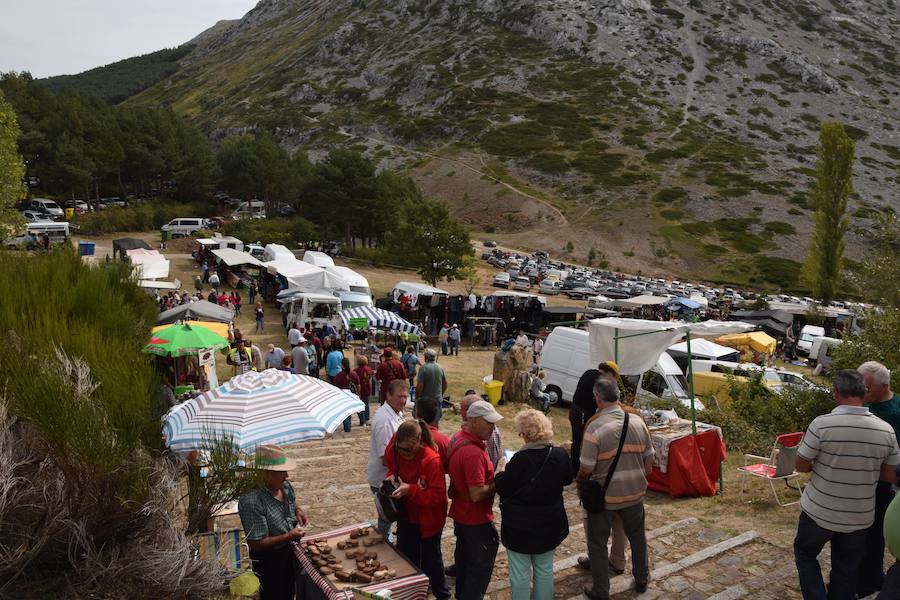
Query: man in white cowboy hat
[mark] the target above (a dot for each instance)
(272, 520)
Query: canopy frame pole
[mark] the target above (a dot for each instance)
(616, 346)
(691, 384)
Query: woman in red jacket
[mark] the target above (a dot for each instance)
(424, 492)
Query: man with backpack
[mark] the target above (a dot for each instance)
(411, 363)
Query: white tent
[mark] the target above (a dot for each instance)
(639, 301)
(319, 259)
(274, 252)
(417, 289)
(235, 257)
(357, 282)
(148, 264)
(304, 276)
(703, 349)
(634, 344)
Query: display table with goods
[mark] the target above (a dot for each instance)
(686, 465)
(338, 563)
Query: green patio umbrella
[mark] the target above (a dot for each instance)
(183, 340)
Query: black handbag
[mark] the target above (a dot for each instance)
(391, 508)
(593, 495)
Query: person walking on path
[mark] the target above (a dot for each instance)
(884, 404)
(214, 281)
(333, 360)
(443, 336)
(347, 380)
(272, 520)
(411, 363)
(431, 382)
(285, 311)
(260, 317)
(364, 372)
(385, 423)
(423, 491)
(624, 496)
(198, 284)
(846, 452)
(534, 520)
(389, 370)
(236, 303)
(454, 337)
(253, 291)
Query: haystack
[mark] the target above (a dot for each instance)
(511, 367)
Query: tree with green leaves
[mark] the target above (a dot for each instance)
(880, 271)
(429, 240)
(834, 184)
(12, 170)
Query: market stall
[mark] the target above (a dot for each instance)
(420, 303)
(756, 346)
(686, 465)
(201, 310)
(334, 563)
(123, 245)
(233, 261)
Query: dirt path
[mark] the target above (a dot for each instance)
(699, 57)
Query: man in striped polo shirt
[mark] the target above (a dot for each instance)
(625, 495)
(846, 451)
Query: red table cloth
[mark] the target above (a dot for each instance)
(693, 467)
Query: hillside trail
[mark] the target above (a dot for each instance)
(699, 58)
(559, 215)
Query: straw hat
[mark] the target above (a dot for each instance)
(273, 458)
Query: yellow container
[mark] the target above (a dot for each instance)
(493, 389)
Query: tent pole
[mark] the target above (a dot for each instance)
(691, 384)
(616, 346)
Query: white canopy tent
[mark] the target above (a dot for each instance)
(319, 259)
(701, 348)
(357, 282)
(276, 252)
(148, 264)
(639, 301)
(417, 289)
(235, 257)
(304, 276)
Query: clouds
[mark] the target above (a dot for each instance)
(54, 37)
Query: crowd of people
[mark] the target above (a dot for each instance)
(850, 453)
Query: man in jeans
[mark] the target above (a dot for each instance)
(846, 451)
(884, 404)
(625, 495)
(472, 491)
(384, 425)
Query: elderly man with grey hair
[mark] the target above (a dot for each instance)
(885, 405)
(845, 452)
(624, 490)
(431, 382)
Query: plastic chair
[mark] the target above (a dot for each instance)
(225, 546)
(779, 466)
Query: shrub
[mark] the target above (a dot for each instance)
(779, 228)
(670, 195)
(141, 217)
(877, 341)
(672, 214)
(285, 231)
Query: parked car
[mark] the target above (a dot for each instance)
(522, 284)
(807, 336)
(501, 280)
(490, 244)
(33, 216)
(47, 207)
(183, 227)
(550, 287)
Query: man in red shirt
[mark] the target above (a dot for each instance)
(426, 409)
(389, 370)
(472, 491)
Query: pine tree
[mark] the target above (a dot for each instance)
(834, 184)
(12, 169)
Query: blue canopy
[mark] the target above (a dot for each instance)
(378, 318)
(687, 303)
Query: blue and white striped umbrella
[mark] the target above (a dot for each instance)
(378, 318)
(271, 407)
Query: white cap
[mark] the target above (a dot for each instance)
(485, 410)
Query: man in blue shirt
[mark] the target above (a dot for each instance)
(333, 360)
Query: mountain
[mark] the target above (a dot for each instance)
(668, 136)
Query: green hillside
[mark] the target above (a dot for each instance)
(117, 81)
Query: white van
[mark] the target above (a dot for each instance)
(807, 336)
(254, 209)
(821, 351)
(319, 259)
(566, 356)
(184, 227)
(57, 232)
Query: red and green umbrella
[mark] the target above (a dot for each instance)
(183, 340)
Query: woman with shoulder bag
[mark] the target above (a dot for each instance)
(413, 457)
(534, 518)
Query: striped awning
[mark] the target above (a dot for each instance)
(378, 318)
(270, 407)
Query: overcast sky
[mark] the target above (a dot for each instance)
(56, 37)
